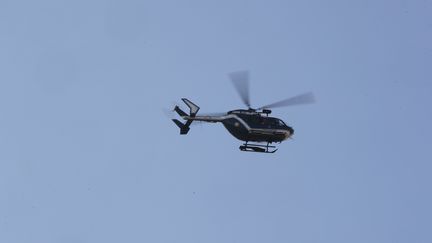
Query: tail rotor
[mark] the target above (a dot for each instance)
(193, 110)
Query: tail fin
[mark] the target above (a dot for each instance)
(184, 128)
(193, 108)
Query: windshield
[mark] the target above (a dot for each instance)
(281, 123)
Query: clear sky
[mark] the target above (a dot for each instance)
(88, 155)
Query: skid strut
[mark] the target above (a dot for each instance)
(260, 148)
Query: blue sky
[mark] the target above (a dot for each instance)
(87, 154)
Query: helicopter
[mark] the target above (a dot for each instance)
(248, 125)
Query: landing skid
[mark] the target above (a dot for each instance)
(259, 148)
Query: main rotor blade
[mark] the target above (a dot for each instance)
(303, 99)
(240, 80)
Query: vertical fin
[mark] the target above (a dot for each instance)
(193, 108)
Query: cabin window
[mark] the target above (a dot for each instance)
(281, 123)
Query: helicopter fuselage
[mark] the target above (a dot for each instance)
(247, 125)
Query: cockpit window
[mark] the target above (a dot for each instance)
(281, 123)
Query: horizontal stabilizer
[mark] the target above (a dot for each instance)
(179, 111)
(184, 128)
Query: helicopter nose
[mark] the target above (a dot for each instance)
(289, 132)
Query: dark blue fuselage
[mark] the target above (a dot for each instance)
(257, 128)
